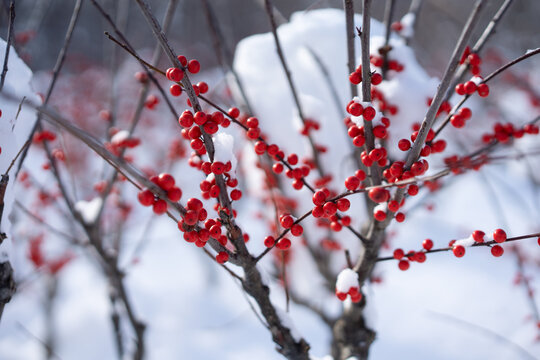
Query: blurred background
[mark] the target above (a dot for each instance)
(41, 24)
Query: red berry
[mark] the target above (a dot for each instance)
(355, 78)
(398, 254)
(175, 90)
(470, 87)
(376, 79)
(159, 207)
(404, 144)
(297, 230)
(379, 195)
(146, 197)
(351, 183)
(369, 113)
(283, 244)
(478, 236)
(269, 241)
(458, 251)
(165, 181)
(497, 251)
(499, 235)
(400, 217)
(428, 244)
(222, 257)
(193, 66)
(460, 89)
(343, 204)
(174, 194)
(175, 74)
(286, 221)
(203, 87)
(483, 90)
(403, 265)
(330, 209)
(236, 194)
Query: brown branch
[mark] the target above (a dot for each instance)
(388, 14)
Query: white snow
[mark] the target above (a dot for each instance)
(407, 21)
(120, 136)
(89, 210)
(346, 279)
(466, 242)
(224, 149)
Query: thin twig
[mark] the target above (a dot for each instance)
(292, 87)
(476, 244)
(8, 42)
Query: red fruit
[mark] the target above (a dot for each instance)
(420, 257)
(412, 190)
(355, 109)
(317, 211)
(175, 74)
(199, 118)
(369, 113)
(203, 87)
(478, 236)
(398, 254)
(470, 87)
(297, 230)
(319, 197)
(175, 90)
(466, 113)
(236, 194)
(222, 257)
(499, 235)
(379, 195)
(497, 251)
(460, 89)
(474, 59)
(403, 265)
(376, 79)
(351, 183)
(283, 244)
(193, 66)
(165, 181)
(427, 244)
(182, 60)
(159, 207)
(286, 221)
(360, 174)
(393, 206)
(458, 251)
(343, 204)
(359, 141)
(483, 90)
(355, 78)
(341, 295)
(146, 197)
(174, 194)
(457, 121)
(404, 144)
(194, 204)
(400, 217)
(330, 209)
(269, 241)
(379, 215)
